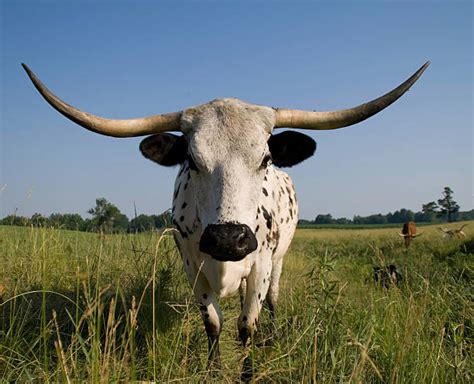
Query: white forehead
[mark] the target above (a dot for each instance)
(226, 127)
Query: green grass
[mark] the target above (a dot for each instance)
(78, 308)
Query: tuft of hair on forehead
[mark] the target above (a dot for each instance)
(230, 114)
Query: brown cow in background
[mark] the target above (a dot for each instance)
(409, 232)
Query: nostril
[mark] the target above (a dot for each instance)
(240, 236)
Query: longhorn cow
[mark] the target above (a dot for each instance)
(235, 211)
(409, 232)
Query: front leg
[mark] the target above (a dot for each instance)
(212, 318)
(207, 301)
(257, 286)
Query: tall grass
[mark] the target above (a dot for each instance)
(77, 307)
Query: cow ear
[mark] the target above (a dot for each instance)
(165, 149)
(290, 148)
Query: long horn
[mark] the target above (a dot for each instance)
(116, 128)
(293, 118)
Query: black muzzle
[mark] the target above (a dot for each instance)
(228, 241)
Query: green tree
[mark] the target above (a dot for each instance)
(38, 220)
(106, 217)
(324, 219)
(142, 223)
(163, 220)
(72, 221)
(15, 220)
(448, 207)
(429, 211)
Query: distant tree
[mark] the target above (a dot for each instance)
(448, 207)
(142, 223)
(164, 219)
(16, 220)
(342, 220)
(106, 217)
(323, 219)
(429, 211)
(376, 219)
(401, 216)
(38, 220)
(71, 221)
(466, 215)
(120, 223)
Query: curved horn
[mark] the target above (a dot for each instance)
(116, 128)
(293, 118)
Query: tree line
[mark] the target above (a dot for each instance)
(446, 209)
(105, 218)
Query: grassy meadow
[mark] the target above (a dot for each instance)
(76, 307)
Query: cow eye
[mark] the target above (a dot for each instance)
(267, 160)
(191, 163)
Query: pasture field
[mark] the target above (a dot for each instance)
(79, 308)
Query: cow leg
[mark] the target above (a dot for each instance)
(272, 294)
(212, 318)
(208, 305)
(257, 287)
(242, 292)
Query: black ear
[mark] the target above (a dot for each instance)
(165, 149)
(290, 148)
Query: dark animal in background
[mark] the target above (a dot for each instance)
(386, 276)
(409, 232)
(235, 212)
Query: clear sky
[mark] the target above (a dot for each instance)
(123, 59)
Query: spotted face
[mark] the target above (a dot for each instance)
(228, 146)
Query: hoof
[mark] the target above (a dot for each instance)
(247, 370)
(244, 334)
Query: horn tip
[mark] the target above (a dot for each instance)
(27, 70)
(424, 66)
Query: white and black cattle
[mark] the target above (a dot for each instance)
(235, 211)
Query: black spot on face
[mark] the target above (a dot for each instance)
(244, 318)
(184, 205)
(267, 217)
(204, 296)
(264, 191)
(181, 218)
(259, 295)
(256, 229)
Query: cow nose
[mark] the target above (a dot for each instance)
(228, 241)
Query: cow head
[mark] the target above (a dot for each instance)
(228, 145)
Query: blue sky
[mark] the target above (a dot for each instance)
(123, 59)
